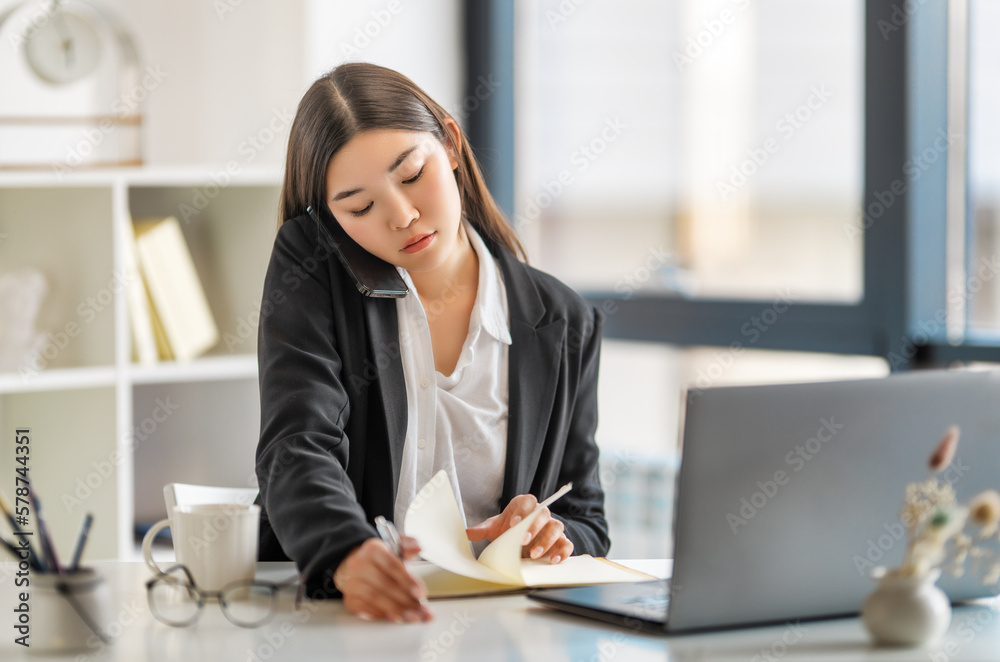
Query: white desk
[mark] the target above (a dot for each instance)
(508, 628)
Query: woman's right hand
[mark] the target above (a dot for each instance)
(376, 584)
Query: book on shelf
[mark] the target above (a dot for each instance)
(450, 569)
(179, 316)
(139, 308)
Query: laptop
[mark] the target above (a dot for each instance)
(788, 495)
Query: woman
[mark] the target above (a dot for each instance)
(486, 369)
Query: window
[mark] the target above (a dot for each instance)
(711, 149)
(983, 214)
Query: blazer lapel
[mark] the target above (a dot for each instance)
(383, 334)
(535, 351)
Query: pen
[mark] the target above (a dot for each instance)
(5, 507)
(387, 532)
(7, 511)
(552, 499)
(17, 553)
(81, 541)
(47, 549)
(548, 502)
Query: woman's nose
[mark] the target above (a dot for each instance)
(403, 213)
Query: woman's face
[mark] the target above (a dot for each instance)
(394, 192)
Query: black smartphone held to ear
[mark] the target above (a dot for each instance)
(373, 276)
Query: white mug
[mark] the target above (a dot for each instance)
(216, 542)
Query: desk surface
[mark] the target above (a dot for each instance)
(508, 628)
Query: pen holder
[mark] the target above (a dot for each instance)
(68, 612)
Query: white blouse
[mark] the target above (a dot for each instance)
(457, 422)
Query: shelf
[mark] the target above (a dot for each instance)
(200, 175)
(205, 369)
(110, 432)
(60, 379)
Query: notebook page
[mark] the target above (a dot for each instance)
(434, 521)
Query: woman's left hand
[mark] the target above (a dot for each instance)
(545, 538)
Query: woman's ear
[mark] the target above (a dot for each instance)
(453, 146)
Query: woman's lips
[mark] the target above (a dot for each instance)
(419, 243)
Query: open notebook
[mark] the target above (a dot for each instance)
(434, 520)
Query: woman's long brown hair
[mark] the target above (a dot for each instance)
(356, 97)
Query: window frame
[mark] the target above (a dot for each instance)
(904, 255)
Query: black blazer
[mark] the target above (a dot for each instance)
(333, 405)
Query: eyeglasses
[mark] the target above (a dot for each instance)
(174, 599)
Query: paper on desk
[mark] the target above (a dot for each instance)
(443, 583)
(434, 521)
(576, 570)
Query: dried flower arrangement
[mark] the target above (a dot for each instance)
(936, 523)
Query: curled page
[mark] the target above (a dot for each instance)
(434, 521)
(504, 553)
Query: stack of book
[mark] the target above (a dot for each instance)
(170, 316)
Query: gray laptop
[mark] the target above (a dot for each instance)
(789, 494)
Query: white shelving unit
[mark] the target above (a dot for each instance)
(107, 434)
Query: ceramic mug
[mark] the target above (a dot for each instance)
(217, 542)
(69, 611)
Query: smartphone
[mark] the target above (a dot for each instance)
(373, 276)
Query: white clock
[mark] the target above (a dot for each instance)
(71, 90)
(65, 49)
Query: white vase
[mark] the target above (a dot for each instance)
(907, 610)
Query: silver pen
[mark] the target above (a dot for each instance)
(387, 532)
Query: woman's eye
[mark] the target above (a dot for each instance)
(362, 212)
(413, 179)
